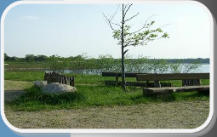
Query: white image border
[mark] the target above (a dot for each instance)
(211, 100)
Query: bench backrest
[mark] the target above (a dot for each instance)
(172, 76)
(118, 74)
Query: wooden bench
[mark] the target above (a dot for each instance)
(190, 82)
(132, 75)
(188, 79)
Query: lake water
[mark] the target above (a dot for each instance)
(203, 68)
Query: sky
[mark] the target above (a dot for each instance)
(75, 29)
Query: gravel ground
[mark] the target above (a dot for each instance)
(183, 114)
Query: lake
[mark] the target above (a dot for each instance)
(203, 68)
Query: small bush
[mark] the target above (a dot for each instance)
(35, 94)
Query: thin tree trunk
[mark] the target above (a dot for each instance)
(122, 51)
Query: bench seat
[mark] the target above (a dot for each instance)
(168, 90)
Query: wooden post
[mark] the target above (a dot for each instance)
(116, 78)
(196, 82)
(191, 82)
(157, 83)
(61, 79)
(71, 81)
(45, 76)
(147, 83)
(65, 80)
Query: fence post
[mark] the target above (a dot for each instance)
(71, 80)
(45, 76)
(116, 78)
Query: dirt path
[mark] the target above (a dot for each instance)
(14, 89)
(11, 95)
(185, 114)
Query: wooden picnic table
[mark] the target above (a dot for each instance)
(190, 82)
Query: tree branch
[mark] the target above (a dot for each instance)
(144, 26)
(108, 21)
(132, 17)
(128, 8)
(116, 24)
(126, 51)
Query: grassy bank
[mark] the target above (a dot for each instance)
(86, 96)
(91, 91)
(79, 78)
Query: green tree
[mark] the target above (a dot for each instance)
(41, 58)
(126, 37)
(158, 65)
(6, 57)
(105, 62)
(56, 64)
(29, 57)
(181, 67)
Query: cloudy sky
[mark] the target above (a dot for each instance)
(73, 29)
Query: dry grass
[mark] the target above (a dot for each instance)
(182, 114)
(17, 85)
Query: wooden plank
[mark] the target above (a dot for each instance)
(149, 91)
(139, 84)
(166, 90)
(114, 74)
(172, 76)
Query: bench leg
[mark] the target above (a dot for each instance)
(191, 82)
(157, 83)
(147, 92)
(116, 79)
(196, 82)
(203, 91)
(147, 83)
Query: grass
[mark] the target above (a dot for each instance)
(37, 75)
(95, 105)
(86, 96)
(79, 78)
(17, 85)
(91, 91)
(23, 76)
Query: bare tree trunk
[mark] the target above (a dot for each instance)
(122, 50)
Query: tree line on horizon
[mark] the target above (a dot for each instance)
(41, 58)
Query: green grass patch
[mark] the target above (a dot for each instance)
(24, 76)
(88, 96)
(79, 78)
(91, 91)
